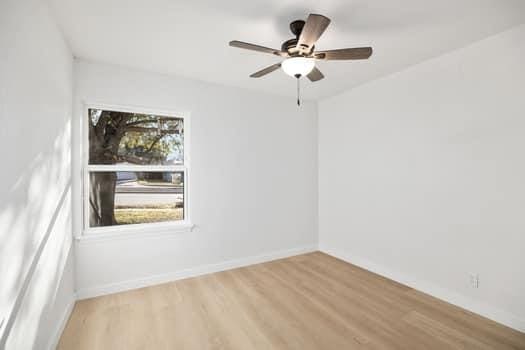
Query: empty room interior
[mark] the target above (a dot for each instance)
(265, 174)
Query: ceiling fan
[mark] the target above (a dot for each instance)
(299, 53)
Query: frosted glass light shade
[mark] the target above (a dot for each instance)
(298, 65)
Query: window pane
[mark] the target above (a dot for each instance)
(134, 138)
(121, 198)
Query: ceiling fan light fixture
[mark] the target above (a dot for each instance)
(295, 66)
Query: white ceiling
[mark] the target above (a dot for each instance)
(190, 38)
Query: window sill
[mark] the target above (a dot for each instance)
(134, 231)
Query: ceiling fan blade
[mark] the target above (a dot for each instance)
(313, 29)
(315, 75)
(253, 47)
(265, 71)
(357, 53)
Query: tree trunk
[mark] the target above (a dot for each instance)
(102, 199)
(104, 139)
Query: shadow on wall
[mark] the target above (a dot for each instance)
(35, 236)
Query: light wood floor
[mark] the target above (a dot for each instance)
(311, 301)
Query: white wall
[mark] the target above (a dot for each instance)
(253, 185)
(422, 174)
(36, 283)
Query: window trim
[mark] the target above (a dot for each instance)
(133, 230)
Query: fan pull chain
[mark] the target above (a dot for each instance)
(298, 91)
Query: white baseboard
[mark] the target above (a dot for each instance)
(449, 296)
(53, 342)
(191, 272)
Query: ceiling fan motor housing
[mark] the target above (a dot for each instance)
(290, 46)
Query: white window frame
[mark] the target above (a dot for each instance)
(133, 229)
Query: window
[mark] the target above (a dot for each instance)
(135, 170)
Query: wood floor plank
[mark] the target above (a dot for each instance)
(310, 301)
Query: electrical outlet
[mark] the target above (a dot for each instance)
(474, 280)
